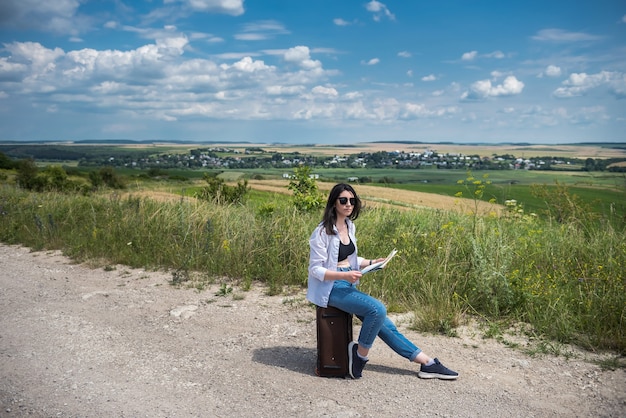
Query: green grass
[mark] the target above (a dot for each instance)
(600, 200)
(564, 279)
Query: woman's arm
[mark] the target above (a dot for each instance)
(369, 261)
(349, 276)
(318, 254)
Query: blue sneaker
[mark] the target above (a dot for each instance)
(355, 363)
(437, 371)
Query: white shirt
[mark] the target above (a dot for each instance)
(324, 251)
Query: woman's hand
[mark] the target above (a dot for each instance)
(353, 276)
(369, 262)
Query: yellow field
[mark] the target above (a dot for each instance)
(374, 196)
(483, 150)
(371, 196)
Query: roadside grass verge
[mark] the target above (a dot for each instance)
(566, 280)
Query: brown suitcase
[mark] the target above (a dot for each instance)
(334, 333)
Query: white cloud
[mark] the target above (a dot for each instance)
(624, 19)
(352, 95)
(484, 88)
(409, 73)
(495, 54)
(430, 77)
(34, 55)
(59, 16)
(357, 110)
(340, 22)
(297, 54)
(261, 30)
(373, 61)
(300, 55)
(235, 55)
(248, 65)
(230, 7)
(284, 90)
(153, 75)
(579, 84)
(313, 110)
(472, 55)
(379, 10)
(469, 56)
(420, 110)
(560, 35)
(325, 91)
(211, 39)
(404, 54)
(12, 71)
(553, 71)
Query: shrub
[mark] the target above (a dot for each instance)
(306, 195)
(217, 191)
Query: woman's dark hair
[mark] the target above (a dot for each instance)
(330, 216)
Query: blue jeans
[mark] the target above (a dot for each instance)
(373, 314)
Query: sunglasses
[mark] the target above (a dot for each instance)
(344, 200)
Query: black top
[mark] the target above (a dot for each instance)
(345, 250)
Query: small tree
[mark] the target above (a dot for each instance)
(306, 195)
(111, 179)
(27, 174)
(56, 178)
(6, 162)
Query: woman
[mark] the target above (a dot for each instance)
(334, 273)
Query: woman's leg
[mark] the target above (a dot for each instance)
(369, 310)
(399, 343)
(373, 314)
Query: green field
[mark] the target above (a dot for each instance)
(600, 191)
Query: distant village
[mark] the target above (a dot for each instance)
(227, 158)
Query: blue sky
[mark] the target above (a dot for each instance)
(313, 71)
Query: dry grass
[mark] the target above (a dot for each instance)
(400, 199)
(159, 196)
(483, 150)
(372, 196)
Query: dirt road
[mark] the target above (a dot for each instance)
(81, 342)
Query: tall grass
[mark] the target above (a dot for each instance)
(566, 280)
